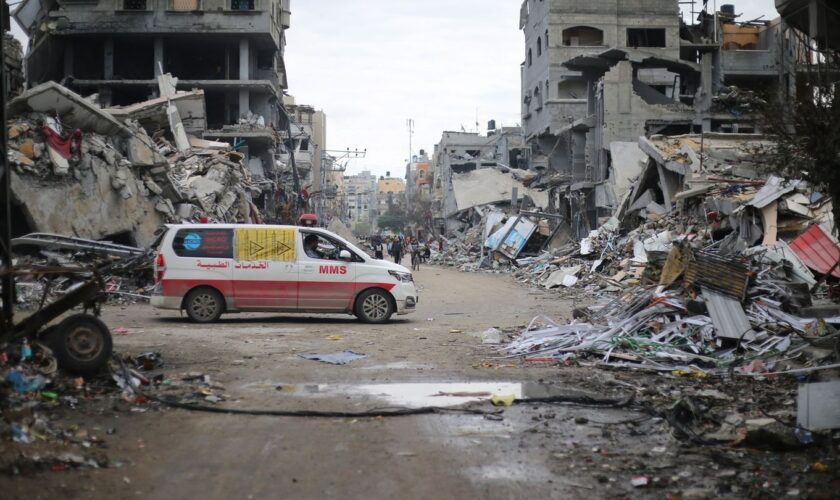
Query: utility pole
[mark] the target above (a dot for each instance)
(8, 280)
(334, 160)
(410, 124)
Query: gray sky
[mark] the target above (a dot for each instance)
(373, 64)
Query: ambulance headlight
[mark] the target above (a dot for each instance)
(404, 277)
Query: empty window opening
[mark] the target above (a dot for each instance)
(204, 60)
(539, 46)
(216, 102)
(134, 5)
(265, 59)
(242, 4)
(546, 39)
(134, 59)
(650, 94)
(530, 57)
(571, 89)
(646, 37)
(583, 36)
(88, 59)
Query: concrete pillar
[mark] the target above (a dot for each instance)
(244, 74)
(68, 59)
(105, 93)
(109, 59)
(158, 56)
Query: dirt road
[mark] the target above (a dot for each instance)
(434, 357)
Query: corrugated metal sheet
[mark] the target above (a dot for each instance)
(817, 250)
(772, 191)
(723, 275)
(728, 316)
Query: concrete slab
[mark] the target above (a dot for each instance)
(818, 405)
(74, 110)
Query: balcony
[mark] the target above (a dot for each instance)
(749, 62)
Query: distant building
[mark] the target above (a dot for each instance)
(361, 190)
(461, 152)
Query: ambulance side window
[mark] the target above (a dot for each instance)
(204, 242)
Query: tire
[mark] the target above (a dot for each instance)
(374, 306)
(81, 344)
(204, 305)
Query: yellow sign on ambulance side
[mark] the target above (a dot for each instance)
(277, 245)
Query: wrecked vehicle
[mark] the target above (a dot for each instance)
(211, 269)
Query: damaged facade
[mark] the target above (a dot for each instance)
(468, 154)
(638, 74)
(230, 52)
(146, 147)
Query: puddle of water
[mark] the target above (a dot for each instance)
(410, 394)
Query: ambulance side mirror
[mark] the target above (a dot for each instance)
(345, 255)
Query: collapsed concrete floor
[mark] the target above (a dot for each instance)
(534, 450)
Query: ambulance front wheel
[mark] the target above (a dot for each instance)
(204, 305)
(374, 306)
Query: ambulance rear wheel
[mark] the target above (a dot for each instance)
(204, 305)
(374, 306)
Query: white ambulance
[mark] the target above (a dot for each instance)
(210, 269)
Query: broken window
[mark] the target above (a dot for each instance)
(646, 37)
(134, 5)
(242, 4)
(583, 36)
(571, 89)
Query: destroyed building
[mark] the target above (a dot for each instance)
(663, 77)
(458, 154)
(230, 50)
(13, 65)
(554, 96)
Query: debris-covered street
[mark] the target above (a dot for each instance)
(607, 430)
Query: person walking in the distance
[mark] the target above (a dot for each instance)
(397, 250)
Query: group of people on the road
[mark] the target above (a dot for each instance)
(398, 246)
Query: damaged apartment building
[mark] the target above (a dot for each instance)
(227, 53)
(469, 170)
(599, 75)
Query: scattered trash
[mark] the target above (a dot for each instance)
(335, 358)
(491, 336)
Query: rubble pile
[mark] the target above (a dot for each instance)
(126, 272)
(101, 174)
(704, 266)
(36, 400)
